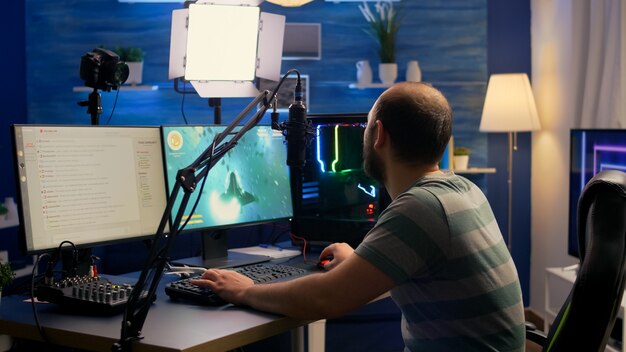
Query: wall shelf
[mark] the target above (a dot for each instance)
(140, 87)
(435, 84)
(476, 170)
(369, 85)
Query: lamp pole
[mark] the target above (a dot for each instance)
(512, 146)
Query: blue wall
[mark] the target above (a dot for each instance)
(13, 104)
(449, 38)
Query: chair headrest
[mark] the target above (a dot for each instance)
(609, 181)
(614, 179)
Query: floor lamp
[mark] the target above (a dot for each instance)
(509, 107)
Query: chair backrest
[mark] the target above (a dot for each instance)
(585, 321)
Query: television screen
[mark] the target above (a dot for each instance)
(591, 151)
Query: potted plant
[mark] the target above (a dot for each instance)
(6, 275)
(133, 57)
(461, 158)
(383, 28)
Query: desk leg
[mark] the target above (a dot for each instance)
(6, 342)
(317, 336)
(297, 339)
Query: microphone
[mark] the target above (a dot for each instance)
(296, 130)
(274, 114)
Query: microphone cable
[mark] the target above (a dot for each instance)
(182, 103)
(44, 337)
(48, 280)
(114, 105)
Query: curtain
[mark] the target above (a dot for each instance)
(597, 63)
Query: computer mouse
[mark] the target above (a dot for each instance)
(324, 260)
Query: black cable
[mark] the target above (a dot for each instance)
(277, 235)
(182, 103)
(32, 298)
(74, 255)
(114, 104)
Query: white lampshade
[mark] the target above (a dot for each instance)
(289, 3)
(509, 105)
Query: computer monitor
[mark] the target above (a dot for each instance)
(249, 185)
(91, 185)
(591, 151)
(339, 202)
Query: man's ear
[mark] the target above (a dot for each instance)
(381, 135)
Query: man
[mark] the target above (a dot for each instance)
(437, 247)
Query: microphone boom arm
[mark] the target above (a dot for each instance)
(144, 291)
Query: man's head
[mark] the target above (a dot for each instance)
(418, 121)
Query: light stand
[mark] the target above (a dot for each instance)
(215, 103)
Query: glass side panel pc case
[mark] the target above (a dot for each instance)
(87, 184)
(339, 202)
(591, 151)
(249, 185)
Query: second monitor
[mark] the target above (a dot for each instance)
(250, 185)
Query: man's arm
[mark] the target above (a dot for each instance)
(352, 284)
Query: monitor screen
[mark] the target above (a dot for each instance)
(249, 185)
(591, 151)
(87, 184)
(340, 203)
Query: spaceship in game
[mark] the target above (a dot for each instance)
(235, 191)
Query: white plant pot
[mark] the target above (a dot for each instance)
(135, 74)
(413, 71)
(388, 73)
(460, 162)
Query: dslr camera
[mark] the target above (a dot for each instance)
(102, 69)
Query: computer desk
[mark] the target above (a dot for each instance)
(170, 325)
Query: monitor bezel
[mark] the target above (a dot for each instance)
(214, 227)
(22, 243)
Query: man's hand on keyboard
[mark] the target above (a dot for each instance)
(228, 284)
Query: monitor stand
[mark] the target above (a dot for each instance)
(215, 254)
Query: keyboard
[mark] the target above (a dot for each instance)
(259, 273)
(87, 295)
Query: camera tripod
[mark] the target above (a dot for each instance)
(94, 106)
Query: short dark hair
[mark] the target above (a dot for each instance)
(418, 119)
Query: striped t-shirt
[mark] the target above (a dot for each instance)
(456, 284)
